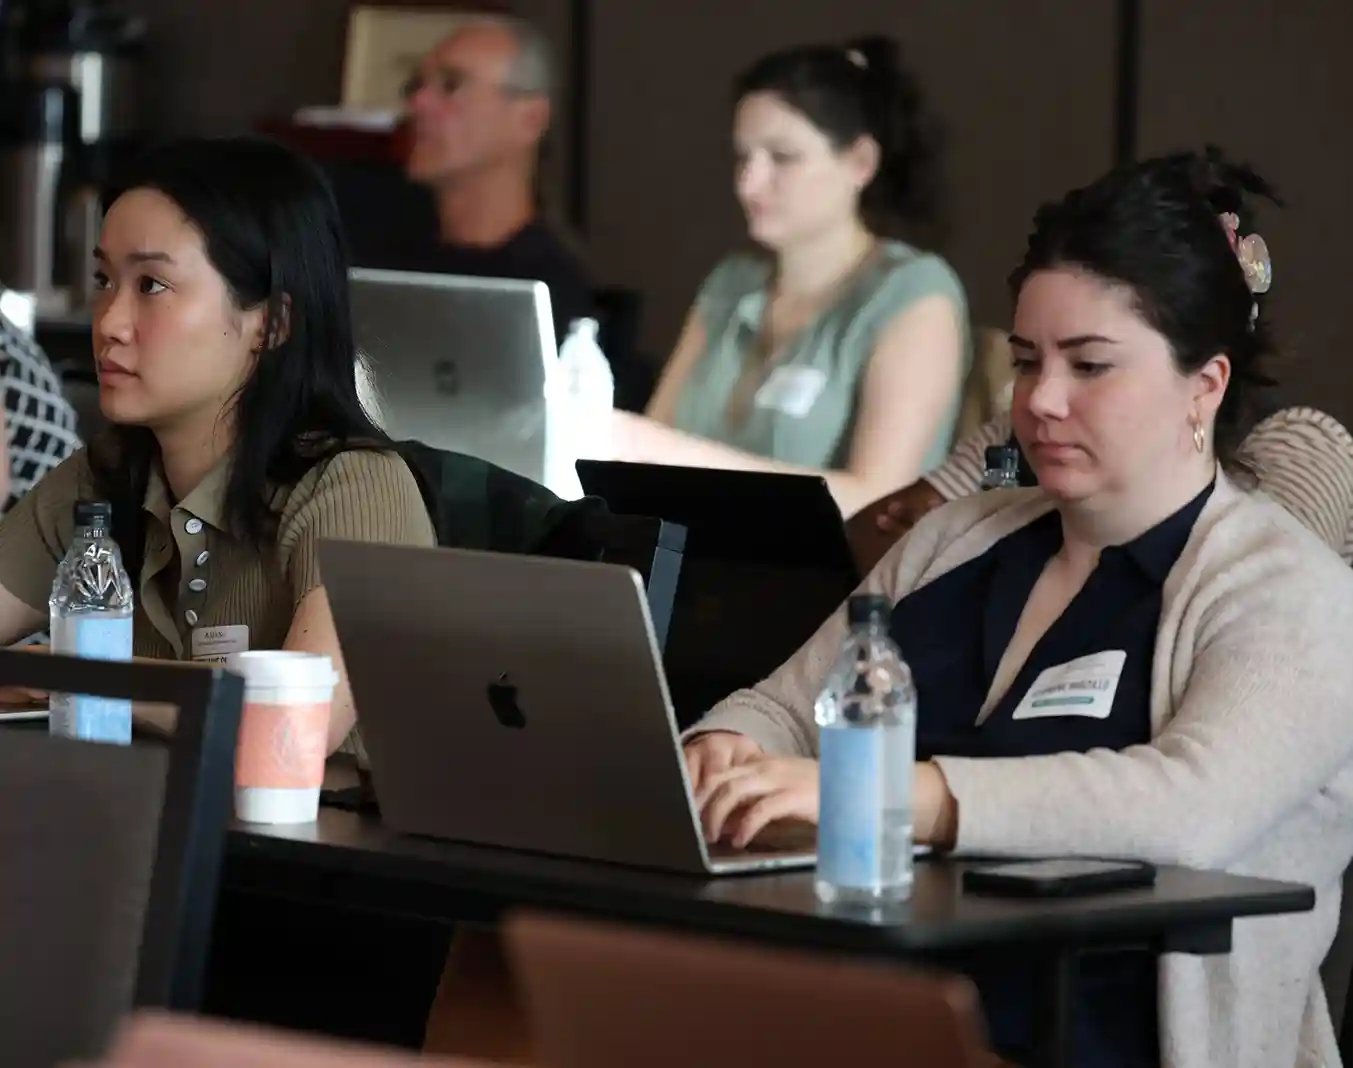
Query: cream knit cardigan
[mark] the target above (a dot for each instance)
(1249, 768)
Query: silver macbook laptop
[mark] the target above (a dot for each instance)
(459, 363)
(519, 701)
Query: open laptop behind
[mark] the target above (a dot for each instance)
(518, 701)
(766, 562)
(459, 363)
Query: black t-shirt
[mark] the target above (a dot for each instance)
(534, 253)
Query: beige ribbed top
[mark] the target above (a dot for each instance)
(196, 572)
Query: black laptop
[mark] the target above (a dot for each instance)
(766, 561)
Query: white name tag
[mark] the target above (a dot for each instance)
(792, 390)
(1081, 687)
(211, 645)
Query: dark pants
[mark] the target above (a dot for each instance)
(315, 968)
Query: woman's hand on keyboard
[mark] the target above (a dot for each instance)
(712, 754)
(737, 804)
(12, 697)
(21, 697)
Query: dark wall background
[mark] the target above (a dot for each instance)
(1274, 87)
(1026, 92)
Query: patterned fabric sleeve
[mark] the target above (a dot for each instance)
(961, 473)
(40, 421)
(1304, 460)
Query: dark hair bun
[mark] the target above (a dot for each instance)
(863, 89)
(909, 138)
(1156, 227)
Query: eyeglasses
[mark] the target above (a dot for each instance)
(448, 81)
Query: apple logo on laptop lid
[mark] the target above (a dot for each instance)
(502, 694)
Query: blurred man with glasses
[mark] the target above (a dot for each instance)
(478, 108)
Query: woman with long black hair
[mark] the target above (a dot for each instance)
(225, 357)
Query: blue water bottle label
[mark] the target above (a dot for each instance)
(84, 716)
(850, 817)
(103, 637)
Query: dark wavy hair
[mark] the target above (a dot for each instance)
(856, 90)
(1154, 227)
(270, 227)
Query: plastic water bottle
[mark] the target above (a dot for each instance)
(91, 616)
(590, 385)
(583, 400)
(866, 717)
(1002, 467)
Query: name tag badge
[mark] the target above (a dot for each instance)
(792, 390)
(1081, 687)
(211, 645)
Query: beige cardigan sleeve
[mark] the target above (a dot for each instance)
(1264, 721)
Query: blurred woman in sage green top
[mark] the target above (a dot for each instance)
(834, 350)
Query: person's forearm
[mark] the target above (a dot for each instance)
(666, 444)
(154, 716)
(936, 815)
(850, 491)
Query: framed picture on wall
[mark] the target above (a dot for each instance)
(386, 41)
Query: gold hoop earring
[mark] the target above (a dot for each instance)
(1199, 436)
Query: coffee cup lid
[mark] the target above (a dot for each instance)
(282, 667)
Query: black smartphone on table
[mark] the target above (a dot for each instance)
(1059, 877)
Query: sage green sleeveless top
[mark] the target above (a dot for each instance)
(804, 412)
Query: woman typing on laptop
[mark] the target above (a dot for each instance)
(834, 350)
(1223, 626)
(225, 359)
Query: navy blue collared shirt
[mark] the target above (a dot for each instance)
(953, 633)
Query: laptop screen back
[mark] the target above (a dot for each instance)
(459, 363)
(766, 562)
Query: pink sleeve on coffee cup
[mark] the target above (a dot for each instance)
(282, 746)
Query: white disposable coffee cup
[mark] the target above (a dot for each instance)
(284, 734)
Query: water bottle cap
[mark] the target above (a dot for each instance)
(1000, 456)
(866, 608)
(93, 513)
(584, 326)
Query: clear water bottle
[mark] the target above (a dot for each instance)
(91, 616)
(582, 402)
(1002, 467)
(590, 387)
(866, 718)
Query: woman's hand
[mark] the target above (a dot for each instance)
(738, 804)
(17, 697)
(710, 754)
(13, 698)
(935, 809)
(876, 528)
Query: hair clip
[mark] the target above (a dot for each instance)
(1252, 253)
(857, 58)
(1254, 260)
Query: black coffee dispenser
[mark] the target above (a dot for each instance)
(69, 114)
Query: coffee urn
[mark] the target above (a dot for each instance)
(69, 114)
